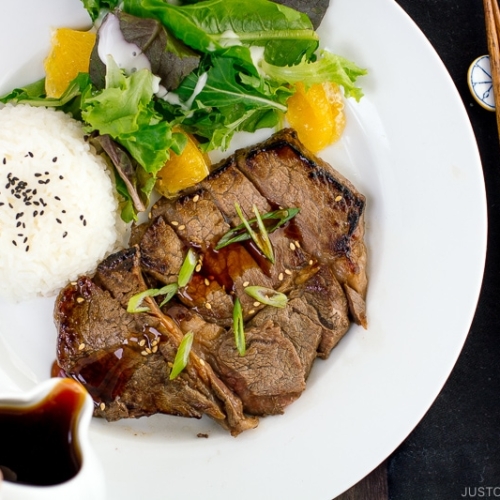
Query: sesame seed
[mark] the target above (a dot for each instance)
(102, 406)
(27, 249)
(65, 234)
(292, 247)
(297, 244)
(14, 243)
(182, 227)
(58, 221)
(5, 161)
(280, 277)
(57, 198)
(30, 154)
(81, 347)
(54, 159)
(198, 268)
(208, 305)
(256, 304)
(80, 300)
(142, 343)
(196, 198)
(35, 213)
(154, 349)
(174, 223)
(155, 342)
(19, 214)
(251, 311)
(287, 271)
(148, 350)
(207, 283)
(246, 283)
(338, 198)
(84, 222)
(311, 262)
(144, 353)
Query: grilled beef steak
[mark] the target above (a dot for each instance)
(124, 359)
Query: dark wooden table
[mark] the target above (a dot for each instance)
(454, 452)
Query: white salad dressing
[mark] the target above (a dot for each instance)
(128, 56)
(200, 84)
(229, 38)
(257, 55)
(173, 98)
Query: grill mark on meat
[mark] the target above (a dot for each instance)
(162, 252)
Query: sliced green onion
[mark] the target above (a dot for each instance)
(244, 221)
(239, 232)
(187, 268)
(134, 303)
(182, 355)
(267, 296)
(238, 327)
(265, 242)
(169, 291)
(261, 239)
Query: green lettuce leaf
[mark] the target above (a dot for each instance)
(327, 68)
(125, 111)
(286, 34)
(95, 7)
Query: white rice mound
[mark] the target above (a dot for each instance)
(59, 216)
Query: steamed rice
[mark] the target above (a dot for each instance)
(58, 211)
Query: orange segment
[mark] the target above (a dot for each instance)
(317, 114)
(182, 171)
(69, 55)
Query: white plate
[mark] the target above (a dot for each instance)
(409, 147)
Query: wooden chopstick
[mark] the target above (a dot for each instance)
(492, 20)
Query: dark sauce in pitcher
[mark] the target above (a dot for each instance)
(37, 443)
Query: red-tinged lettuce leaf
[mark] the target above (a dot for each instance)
(170, 59)
(314, 9)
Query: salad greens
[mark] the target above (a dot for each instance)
(212, 25)
(216, 67)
